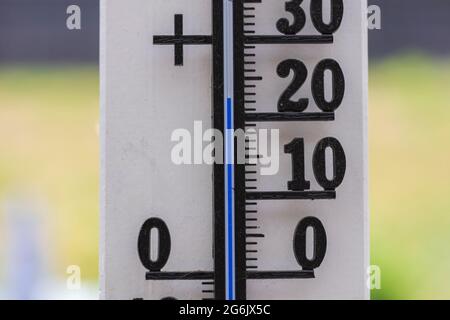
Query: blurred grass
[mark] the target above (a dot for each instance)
(49, 114)
(49, 147)
(410, 176)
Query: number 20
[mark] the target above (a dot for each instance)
(285, 104)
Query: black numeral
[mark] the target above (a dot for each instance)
(318, 85)
(144, 244)
(284, 26)
(337, 13)
(319, 243)
(300, 73)
(297, 149)
(285, 104)
(339, 163)
(316, 11)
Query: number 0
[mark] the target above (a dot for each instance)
(337, 13)
(144, 244)
(337, 84)
(339, 163)
(319, 243)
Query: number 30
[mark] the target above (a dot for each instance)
(316, 11)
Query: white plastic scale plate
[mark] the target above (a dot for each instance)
(195, 231)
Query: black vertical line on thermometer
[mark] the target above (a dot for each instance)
(218, 116)
(239, 167)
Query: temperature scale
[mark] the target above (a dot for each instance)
(290, 223)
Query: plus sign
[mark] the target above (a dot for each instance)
(178, 40)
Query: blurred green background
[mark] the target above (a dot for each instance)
(49, 150)
(49, 124)
(409, 113)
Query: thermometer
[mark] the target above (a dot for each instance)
(290, 72)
